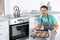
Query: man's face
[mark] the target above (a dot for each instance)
(44, 11)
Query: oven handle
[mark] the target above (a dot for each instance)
(22, 24)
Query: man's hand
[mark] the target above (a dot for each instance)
(33, 30)
(37, 28)
(52, 32)
(55, 28)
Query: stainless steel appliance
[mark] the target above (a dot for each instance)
(16, 12)
(19, 28)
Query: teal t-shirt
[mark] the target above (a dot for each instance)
(52, 19)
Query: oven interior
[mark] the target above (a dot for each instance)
(20, 30)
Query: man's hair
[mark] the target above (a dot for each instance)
(44, 7)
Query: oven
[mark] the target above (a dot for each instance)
(19, 30)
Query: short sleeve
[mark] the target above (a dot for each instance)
(39, 20)
(54, 20)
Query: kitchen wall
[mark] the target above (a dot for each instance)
(1, 7)
(27, 5)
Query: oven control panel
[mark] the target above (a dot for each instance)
(18, 20)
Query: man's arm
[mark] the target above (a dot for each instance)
(55, 24)
(55, 27)
(37, 27)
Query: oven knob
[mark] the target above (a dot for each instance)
(23, 20)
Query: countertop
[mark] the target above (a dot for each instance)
(2, 18)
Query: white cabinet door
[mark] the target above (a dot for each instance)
(4, 30)
(4, 27)
(4, 37)
(4, 24)
(1, 37)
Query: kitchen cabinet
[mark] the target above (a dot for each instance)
(1, 37)
(4, 30)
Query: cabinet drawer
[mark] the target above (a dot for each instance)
(4, 24)
(4, 37)
(4, 31)
(4, 27)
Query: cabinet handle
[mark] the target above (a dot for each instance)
(0, 25)
(0, 34)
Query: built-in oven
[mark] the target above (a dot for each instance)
(19, 30)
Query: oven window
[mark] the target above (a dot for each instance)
(19, 31)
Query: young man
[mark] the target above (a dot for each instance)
(48, 21)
